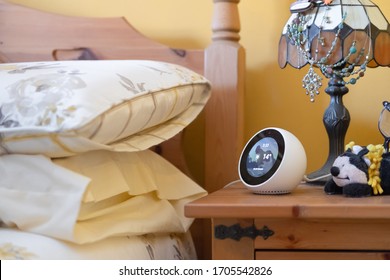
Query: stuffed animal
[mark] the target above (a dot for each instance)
(360, 171)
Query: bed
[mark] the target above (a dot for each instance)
(93, 118)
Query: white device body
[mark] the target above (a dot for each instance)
(288, 170)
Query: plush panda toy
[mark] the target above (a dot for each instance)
(359, 172)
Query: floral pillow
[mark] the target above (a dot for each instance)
(68, 107)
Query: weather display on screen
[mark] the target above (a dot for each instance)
(262, 157)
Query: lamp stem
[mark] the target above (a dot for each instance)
(336, 120)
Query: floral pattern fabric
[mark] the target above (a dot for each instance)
(19, 245)
(63, 108)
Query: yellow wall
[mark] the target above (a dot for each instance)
(274, 96)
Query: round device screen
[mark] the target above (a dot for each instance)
(262, 156)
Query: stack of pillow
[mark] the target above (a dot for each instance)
(75, 163)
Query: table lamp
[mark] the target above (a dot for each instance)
(339, 39)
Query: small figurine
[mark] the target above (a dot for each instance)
(364, 171)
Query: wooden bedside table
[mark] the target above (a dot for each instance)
(306, 224)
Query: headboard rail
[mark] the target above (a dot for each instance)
(33, 35)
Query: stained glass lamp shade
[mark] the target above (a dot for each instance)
(339, 40)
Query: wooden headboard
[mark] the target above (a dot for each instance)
(31, 35)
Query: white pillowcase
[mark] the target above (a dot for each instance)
(67, 107)
(95, 195)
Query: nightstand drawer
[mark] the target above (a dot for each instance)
(321, 255)
(325, 234)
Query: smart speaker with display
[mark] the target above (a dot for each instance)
(272, 162)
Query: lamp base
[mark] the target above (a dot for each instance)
(336, 120)
(319, 177)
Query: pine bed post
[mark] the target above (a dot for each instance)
(225, 68)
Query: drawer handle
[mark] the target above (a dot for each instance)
(236, 232)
